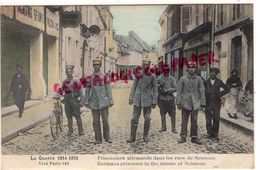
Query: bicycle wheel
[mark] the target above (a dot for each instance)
(54, 126)
(61, 119)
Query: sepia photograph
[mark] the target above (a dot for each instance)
(129, 86)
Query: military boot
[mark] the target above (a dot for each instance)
(133, 133)
(163, 128)
(173, 122)
(70, 125)
(146, 130)
(80, 126)
(97, 130)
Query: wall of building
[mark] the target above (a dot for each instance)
(163, 35)
(226, 53)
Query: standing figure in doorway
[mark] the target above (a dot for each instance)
(19, 87)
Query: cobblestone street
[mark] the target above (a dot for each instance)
(39, 141)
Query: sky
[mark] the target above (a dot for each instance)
(143, 20)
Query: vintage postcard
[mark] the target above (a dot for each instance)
(130, 86)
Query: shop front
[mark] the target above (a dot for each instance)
(23, 35)
(173, 55)
(197, 47)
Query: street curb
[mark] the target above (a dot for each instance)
(240, 127)
(16, 132)
(25, 108)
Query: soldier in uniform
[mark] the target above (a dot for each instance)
(213, 102)
(98, 98)
(166, 103)
(190, 98)
(73, 100)
(19, 86)
(143, 95)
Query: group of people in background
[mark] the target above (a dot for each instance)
(190, 94)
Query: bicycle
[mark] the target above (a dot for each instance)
(56, 118)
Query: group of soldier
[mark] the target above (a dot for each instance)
(192, 95)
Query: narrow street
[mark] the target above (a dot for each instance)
(39, 141)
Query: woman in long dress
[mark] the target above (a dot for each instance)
(231, 104)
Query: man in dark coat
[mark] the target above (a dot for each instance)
(19, 86)
(213, 102)
(73, 100)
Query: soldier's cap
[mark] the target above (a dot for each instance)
(97, 60)
(19, 66)
(234, 70)
(165, 67)
(146, 61)
(214, 69)
(69, 67)
(192, 64)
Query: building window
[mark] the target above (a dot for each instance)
(205, 13)
(76, 53)
(176, 20)
(236, 11)
(197, 14)
(220, 14)
(218, 46)
(69, 50)
(186, 17)
(90, 18)
(236, 48)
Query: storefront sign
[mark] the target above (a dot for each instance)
(31, 15)
(197, 41)
(52, 23)
(7, 11)
(70, 19)
(174, 45)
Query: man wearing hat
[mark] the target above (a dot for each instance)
(19, 86)
(98, 98)
(166, 101)
(143, 95)
(213, 95)
(73, 100)
(190, 98)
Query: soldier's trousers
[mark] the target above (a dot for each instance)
(73, 110)
(137, 112)
(194, 126)
(167, 107)
(19, 99)
(212, 114)
(96, 124)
